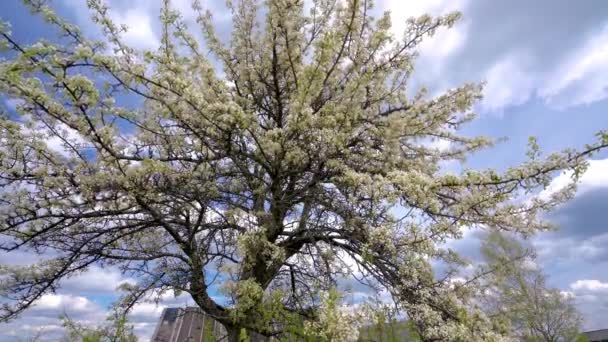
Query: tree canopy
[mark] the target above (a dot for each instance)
(267, 165)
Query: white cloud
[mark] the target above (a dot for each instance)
(567, 294)
(592, 285)
(64, 302)
(434, 51)
(440, 144)
(53, 141)
(577, 79)
(140, 32)
(402, 10)
(595, 176)
(581, 78)
(96, 279)
(591, 300)
(138, 15)
(574, 75)
(508, 84)
(445, 42)
(151, 310)
(44, 315)
(43, 318)
(57, 144)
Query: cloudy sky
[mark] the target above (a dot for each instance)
(546, 67)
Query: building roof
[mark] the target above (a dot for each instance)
(597, 335)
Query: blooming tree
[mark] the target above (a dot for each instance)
(267, 165)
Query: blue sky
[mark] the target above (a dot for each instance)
(545, 64)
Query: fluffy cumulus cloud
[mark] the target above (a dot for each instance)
(140, 31)
(140, 17)
(591, 285)
(591, 296)
(575, 255)
(434, 52)
(86, 298)
(96, 280)
(508, 83)
(550, 50)
(582, 80)
(521, 51)
(596, 176)
(43, 318)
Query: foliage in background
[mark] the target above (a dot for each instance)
(384, 324)
(517, 295)
(116, 329)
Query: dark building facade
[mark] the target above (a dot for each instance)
(186, 325)
(192, 325)
(597, 335)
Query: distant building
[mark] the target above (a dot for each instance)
(192, 325)
(186, 325)
(597, 335)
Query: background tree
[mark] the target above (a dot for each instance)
(117, 329)
(304, 156)
(383, 323)
(517, 293)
